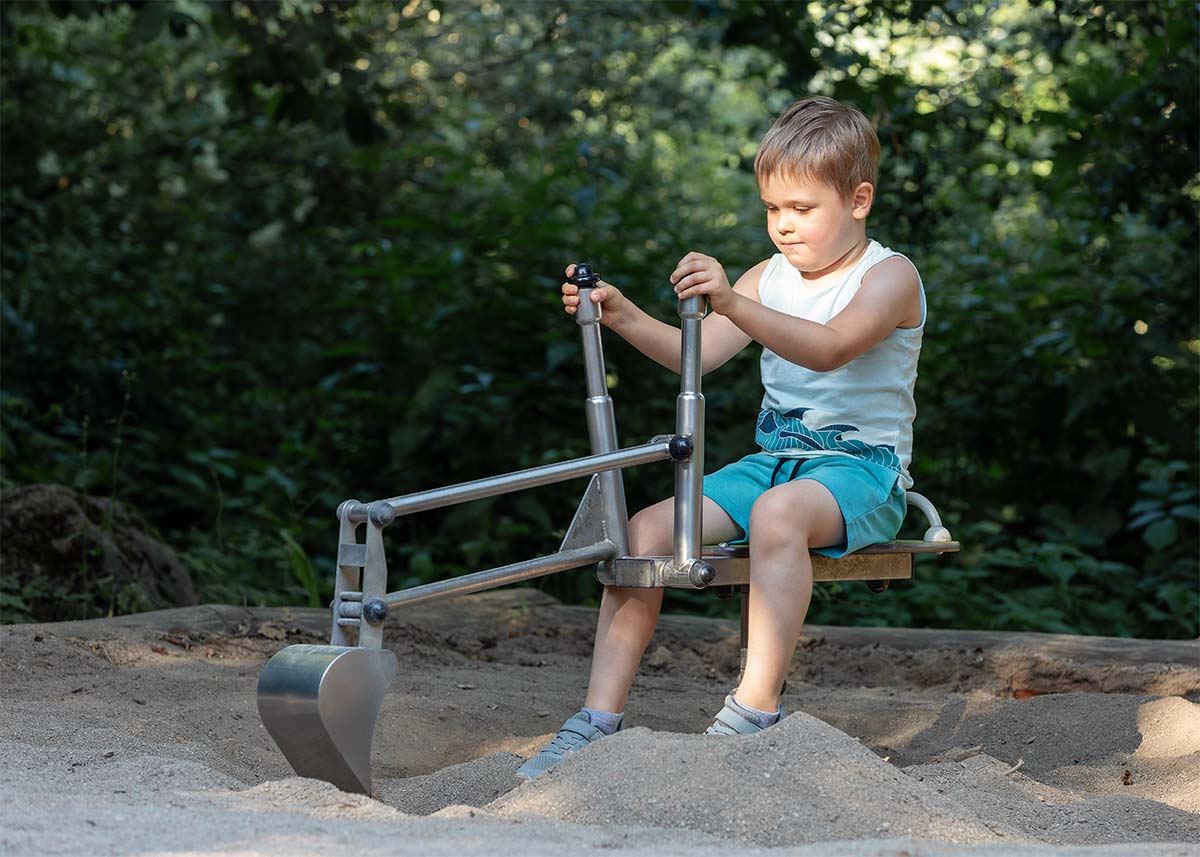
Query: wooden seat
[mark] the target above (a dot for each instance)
(888, 561)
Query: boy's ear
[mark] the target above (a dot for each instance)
(860, 203)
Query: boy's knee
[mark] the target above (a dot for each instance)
(774, 522)
(647, 536)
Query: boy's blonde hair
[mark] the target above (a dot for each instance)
(820, 139)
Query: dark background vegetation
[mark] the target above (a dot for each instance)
(260, 258)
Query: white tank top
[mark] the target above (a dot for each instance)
(864, 409)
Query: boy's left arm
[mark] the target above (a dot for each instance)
(888, 298)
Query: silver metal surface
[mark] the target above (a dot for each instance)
(352, 554)
(492, 578)
(320, 703)
(912, 498)
(587, 527)
(532, 477)
(374, 582)
(689, 422)
(348, 577)
(602, 423)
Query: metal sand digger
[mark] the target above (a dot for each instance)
(320, 703)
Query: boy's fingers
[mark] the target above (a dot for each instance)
(682, 270)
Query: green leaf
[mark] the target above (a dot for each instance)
(1161, 535)
(1142, 520)
(1190, 511)
(1157, 487)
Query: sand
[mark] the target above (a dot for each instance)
(139, 735)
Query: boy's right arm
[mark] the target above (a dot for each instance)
(720, 338)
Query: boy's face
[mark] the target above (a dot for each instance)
(813, 224)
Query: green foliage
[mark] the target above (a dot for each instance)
(259, 258)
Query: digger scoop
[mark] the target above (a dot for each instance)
(320, 704)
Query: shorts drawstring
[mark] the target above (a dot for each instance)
(782, 462)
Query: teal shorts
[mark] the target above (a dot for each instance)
(869, 495)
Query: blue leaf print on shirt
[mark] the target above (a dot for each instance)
(775, 432)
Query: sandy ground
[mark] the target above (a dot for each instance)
(140, 735)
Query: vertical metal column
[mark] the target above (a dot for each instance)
(349, 577)
(689, 422)
(602, 424)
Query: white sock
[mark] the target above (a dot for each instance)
(605, 721)
(762, 718)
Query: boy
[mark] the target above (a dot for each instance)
(840, 319)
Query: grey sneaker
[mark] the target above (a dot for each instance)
(575, 734)
(732, 720)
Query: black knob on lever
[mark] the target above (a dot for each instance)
(584, 276)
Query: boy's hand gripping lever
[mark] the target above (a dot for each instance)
(586, 279)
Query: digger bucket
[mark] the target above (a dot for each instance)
(320, 704)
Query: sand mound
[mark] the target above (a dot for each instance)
(469, 784)
(800, 781)
(315, 798)
(995, 791)
(1169, 727)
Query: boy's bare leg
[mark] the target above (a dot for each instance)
(785, 522)
(628, 615)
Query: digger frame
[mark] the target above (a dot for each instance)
(320, 703)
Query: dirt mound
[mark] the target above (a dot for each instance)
(471, 784)
(71, 556)
(800, 781)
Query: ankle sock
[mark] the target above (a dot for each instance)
(762, 718)
(605, 721)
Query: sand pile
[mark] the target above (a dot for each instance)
(800, 781)
(471, 784)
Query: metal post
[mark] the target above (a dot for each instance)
(374, 578)
(689, 422)
(347, 579)
(602, 425)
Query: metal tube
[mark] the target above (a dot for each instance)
(689, 422)
(561, 471)
(494, 577)
(601, 421)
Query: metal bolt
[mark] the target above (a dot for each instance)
(374, 611)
